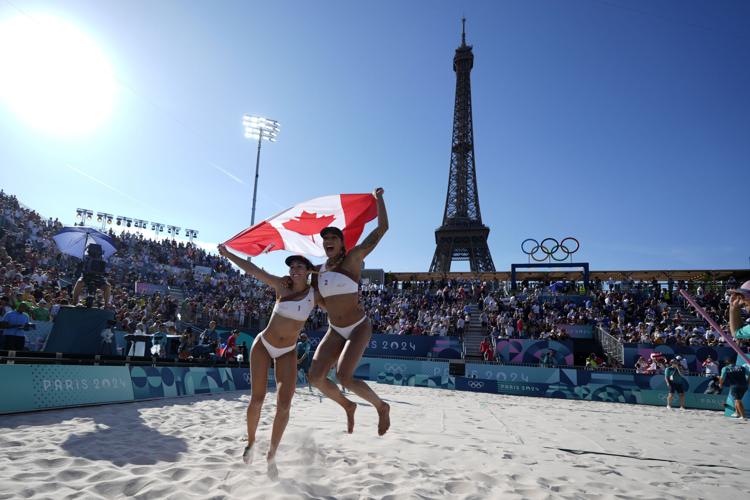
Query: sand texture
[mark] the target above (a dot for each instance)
(442, 444)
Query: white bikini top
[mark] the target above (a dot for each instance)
(333, 283)
(296, 309)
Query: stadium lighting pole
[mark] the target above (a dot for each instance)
(257, 127)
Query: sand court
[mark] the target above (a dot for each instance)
(442, 444)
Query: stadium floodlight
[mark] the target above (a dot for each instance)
(191, 233)
(83, 214)
(103, 218)
(258, 127)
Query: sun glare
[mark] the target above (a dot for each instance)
(53, 77)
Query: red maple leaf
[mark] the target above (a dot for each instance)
(308, 223)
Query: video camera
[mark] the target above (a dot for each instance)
(94, 266)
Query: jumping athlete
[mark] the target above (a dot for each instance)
(276, 344)
(349, 329)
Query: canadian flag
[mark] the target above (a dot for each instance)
(298, 229)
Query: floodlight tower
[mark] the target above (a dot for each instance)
(257, 127)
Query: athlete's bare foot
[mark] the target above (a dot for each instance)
(350, 417)
(273, 470)
(247, 455)
(271, 454)
(384, 419)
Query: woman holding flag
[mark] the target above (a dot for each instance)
(349, 329)
(277, 344)
(329, 226)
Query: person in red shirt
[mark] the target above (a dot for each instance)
(485, 348)
(230, 350)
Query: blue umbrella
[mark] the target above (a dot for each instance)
(74, 240)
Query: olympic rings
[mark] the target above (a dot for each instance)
(550, 248)
(476, 384)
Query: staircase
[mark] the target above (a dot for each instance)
(611, 347)
(473, 335)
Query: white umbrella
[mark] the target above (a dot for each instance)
(74, 240)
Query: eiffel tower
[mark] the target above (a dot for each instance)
(462, 236)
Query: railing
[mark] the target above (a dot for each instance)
(610, 345)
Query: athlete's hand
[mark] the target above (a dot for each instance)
(378, 192)
(223, 250)
(736, 301)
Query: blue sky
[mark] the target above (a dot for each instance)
(624, 124)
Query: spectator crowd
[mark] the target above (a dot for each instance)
(196, 288)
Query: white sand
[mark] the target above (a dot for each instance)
(442, 444)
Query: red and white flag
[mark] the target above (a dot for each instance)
(298, 228)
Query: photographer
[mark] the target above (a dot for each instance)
(14, 324)
(92, 275)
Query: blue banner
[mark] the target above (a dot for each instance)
(410, 346)
(571, 383)
(528, 351)
(34, 387)
(404, 372)
(167, 381)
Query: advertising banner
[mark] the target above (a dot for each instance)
(404, 371)
(168, 381)
(412, 346)
(528, 351)
(570, 383)
(34, 387)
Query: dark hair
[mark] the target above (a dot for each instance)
(298, 258)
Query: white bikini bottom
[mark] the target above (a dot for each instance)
(274, 352)
(346, 331)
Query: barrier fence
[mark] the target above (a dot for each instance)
(576, 383)
(35, 386)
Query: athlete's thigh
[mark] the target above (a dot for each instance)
(328, 351)
(354, 348)
(260, 362)
(286, 376)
